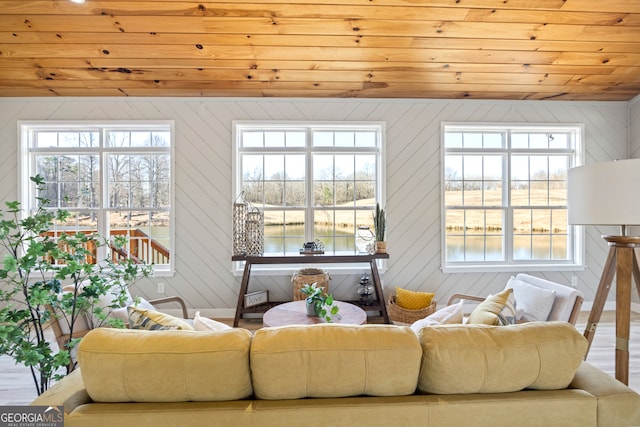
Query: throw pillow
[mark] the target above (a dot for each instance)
(205, 324)
(447, 315)
(412, 300)
(535, 302)
(140, 318)
(488, 311)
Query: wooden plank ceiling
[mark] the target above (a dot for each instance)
(474, 49)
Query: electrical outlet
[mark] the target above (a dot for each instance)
(574, 281)
(161, 288)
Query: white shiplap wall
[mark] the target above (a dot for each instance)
(204, 194)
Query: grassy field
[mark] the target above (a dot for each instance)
(541, 220)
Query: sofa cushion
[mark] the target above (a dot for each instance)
(330, 360)
(496, 359)
(124, 365)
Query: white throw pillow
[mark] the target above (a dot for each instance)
(449, 314)
(535, 302)
(205, 324)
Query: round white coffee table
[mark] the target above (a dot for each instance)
(295, 313)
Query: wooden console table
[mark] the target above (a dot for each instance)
(378, 305)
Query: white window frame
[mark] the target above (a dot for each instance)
(308, 126)
(27, 169)
(577, 250)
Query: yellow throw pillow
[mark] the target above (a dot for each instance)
(412, 300)
(141, 318)
(488, 311)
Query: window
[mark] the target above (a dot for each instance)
(505, 195)
(113, 178)
(312, 181)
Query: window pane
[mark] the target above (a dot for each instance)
(344, 139)
(141, 139)
(521, 247)
(520, 168)
(541, 221)
(522, 221)
(274, 139)
(252, 139)
(252, 167)
(294, 193)
(453, 139)
(538, 140)
(472, 193)
(295, 166)
(365, 139)
(454, 221)
(494, 250)
(539, 168)
(118, 139)
(296, 139)
(560, 247)
(541, 247)
(274, 167)
(493, 140)
(323, 139)
(472, 140)
(344, 167)
(519, 140)
(322, 167)
(472, 167)
(455, 248)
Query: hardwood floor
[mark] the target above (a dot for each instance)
(16, 385)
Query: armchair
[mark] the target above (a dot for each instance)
(563, 302)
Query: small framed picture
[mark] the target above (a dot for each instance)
(256, 298)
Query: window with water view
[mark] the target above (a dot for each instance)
(505, 194)
(311, 181)
(114, 179)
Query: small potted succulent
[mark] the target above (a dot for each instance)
(319, 303)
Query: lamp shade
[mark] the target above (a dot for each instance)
(606, 193)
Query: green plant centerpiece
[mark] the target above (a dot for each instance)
(46, 274)
(320, 303)
(380, 225)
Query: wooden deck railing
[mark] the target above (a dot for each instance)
(138, 250)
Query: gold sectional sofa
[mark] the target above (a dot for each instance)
(339, 375)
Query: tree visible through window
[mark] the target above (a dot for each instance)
(114, 179)
(505, 194)
(312, 181)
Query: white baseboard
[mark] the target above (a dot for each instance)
(609, 306)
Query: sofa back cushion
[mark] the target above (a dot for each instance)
(123, 365)
(330, 360)
(495, 359)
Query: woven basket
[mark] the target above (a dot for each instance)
(308, 276)
(402, 315)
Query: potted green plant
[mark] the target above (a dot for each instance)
(380, 225)
(36, 267)
(319, 303)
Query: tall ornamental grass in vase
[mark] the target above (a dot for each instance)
(380, 225)
(42, 277)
